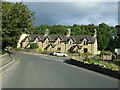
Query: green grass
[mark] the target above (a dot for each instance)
(113, 65)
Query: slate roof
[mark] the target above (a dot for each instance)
(76, 38)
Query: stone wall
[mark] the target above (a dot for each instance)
(5, 59)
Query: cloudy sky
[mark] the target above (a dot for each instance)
(69, 13)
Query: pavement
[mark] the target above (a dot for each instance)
(40, 71)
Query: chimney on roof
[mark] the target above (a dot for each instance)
(46, 32)
(95, 33)
(68, 32)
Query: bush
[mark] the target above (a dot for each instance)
(41, 49)
(85, 54)
(117, 62)
(34, 46)
(105, 53)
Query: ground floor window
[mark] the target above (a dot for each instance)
(85, 50)
(59, 48)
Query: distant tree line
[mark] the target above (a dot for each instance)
(18, 19)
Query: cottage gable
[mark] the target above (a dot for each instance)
(26, 39)
(47, 40)
(64, 43)
(85, 41)
(58, 40)
(71, 41)
(36, 39)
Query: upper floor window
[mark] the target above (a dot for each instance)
(58, 41)
(47, 42)
(85, 42)
(71, 42)
(36, 40)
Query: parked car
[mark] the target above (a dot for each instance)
(57, 53)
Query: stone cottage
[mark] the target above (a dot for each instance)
(64, 43)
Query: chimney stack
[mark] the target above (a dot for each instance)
(95, 33)
(46, 32)
(68, 32)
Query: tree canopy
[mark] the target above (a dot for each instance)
(16, 19)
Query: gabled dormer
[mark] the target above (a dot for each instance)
(36, 39)
(27, 39)
(71, 41)
(85, 41)
(46, 40)
(58, 40)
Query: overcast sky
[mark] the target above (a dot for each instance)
(69, 13)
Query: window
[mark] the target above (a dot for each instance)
(36, 40)
(58, 41)
(71, 42)
(85, 50)
(85, 42)
(59, 48)
(47, 42)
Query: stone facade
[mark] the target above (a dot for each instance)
(64, 43)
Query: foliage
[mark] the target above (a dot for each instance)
(105, 53)
(92, 61)
(34, 46)
(114, 43)
(105, 33)
(16, 19)
(85, 54)
(102, 63)
(41, 49)
(117, 62)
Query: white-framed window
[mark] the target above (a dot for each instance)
(71, 42)
(85, 43)
(36, 40)
(59, 42)
(47, 42)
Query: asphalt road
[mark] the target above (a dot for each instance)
(38, 71)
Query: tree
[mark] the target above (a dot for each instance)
(105, 34)
(16, 19)
(118, 29)
(34, 46)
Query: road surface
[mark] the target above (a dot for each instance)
(38, 71)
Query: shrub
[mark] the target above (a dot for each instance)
(34, 46)
(117, 62)
(41, 49)
(85, 54)
(105, 53)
